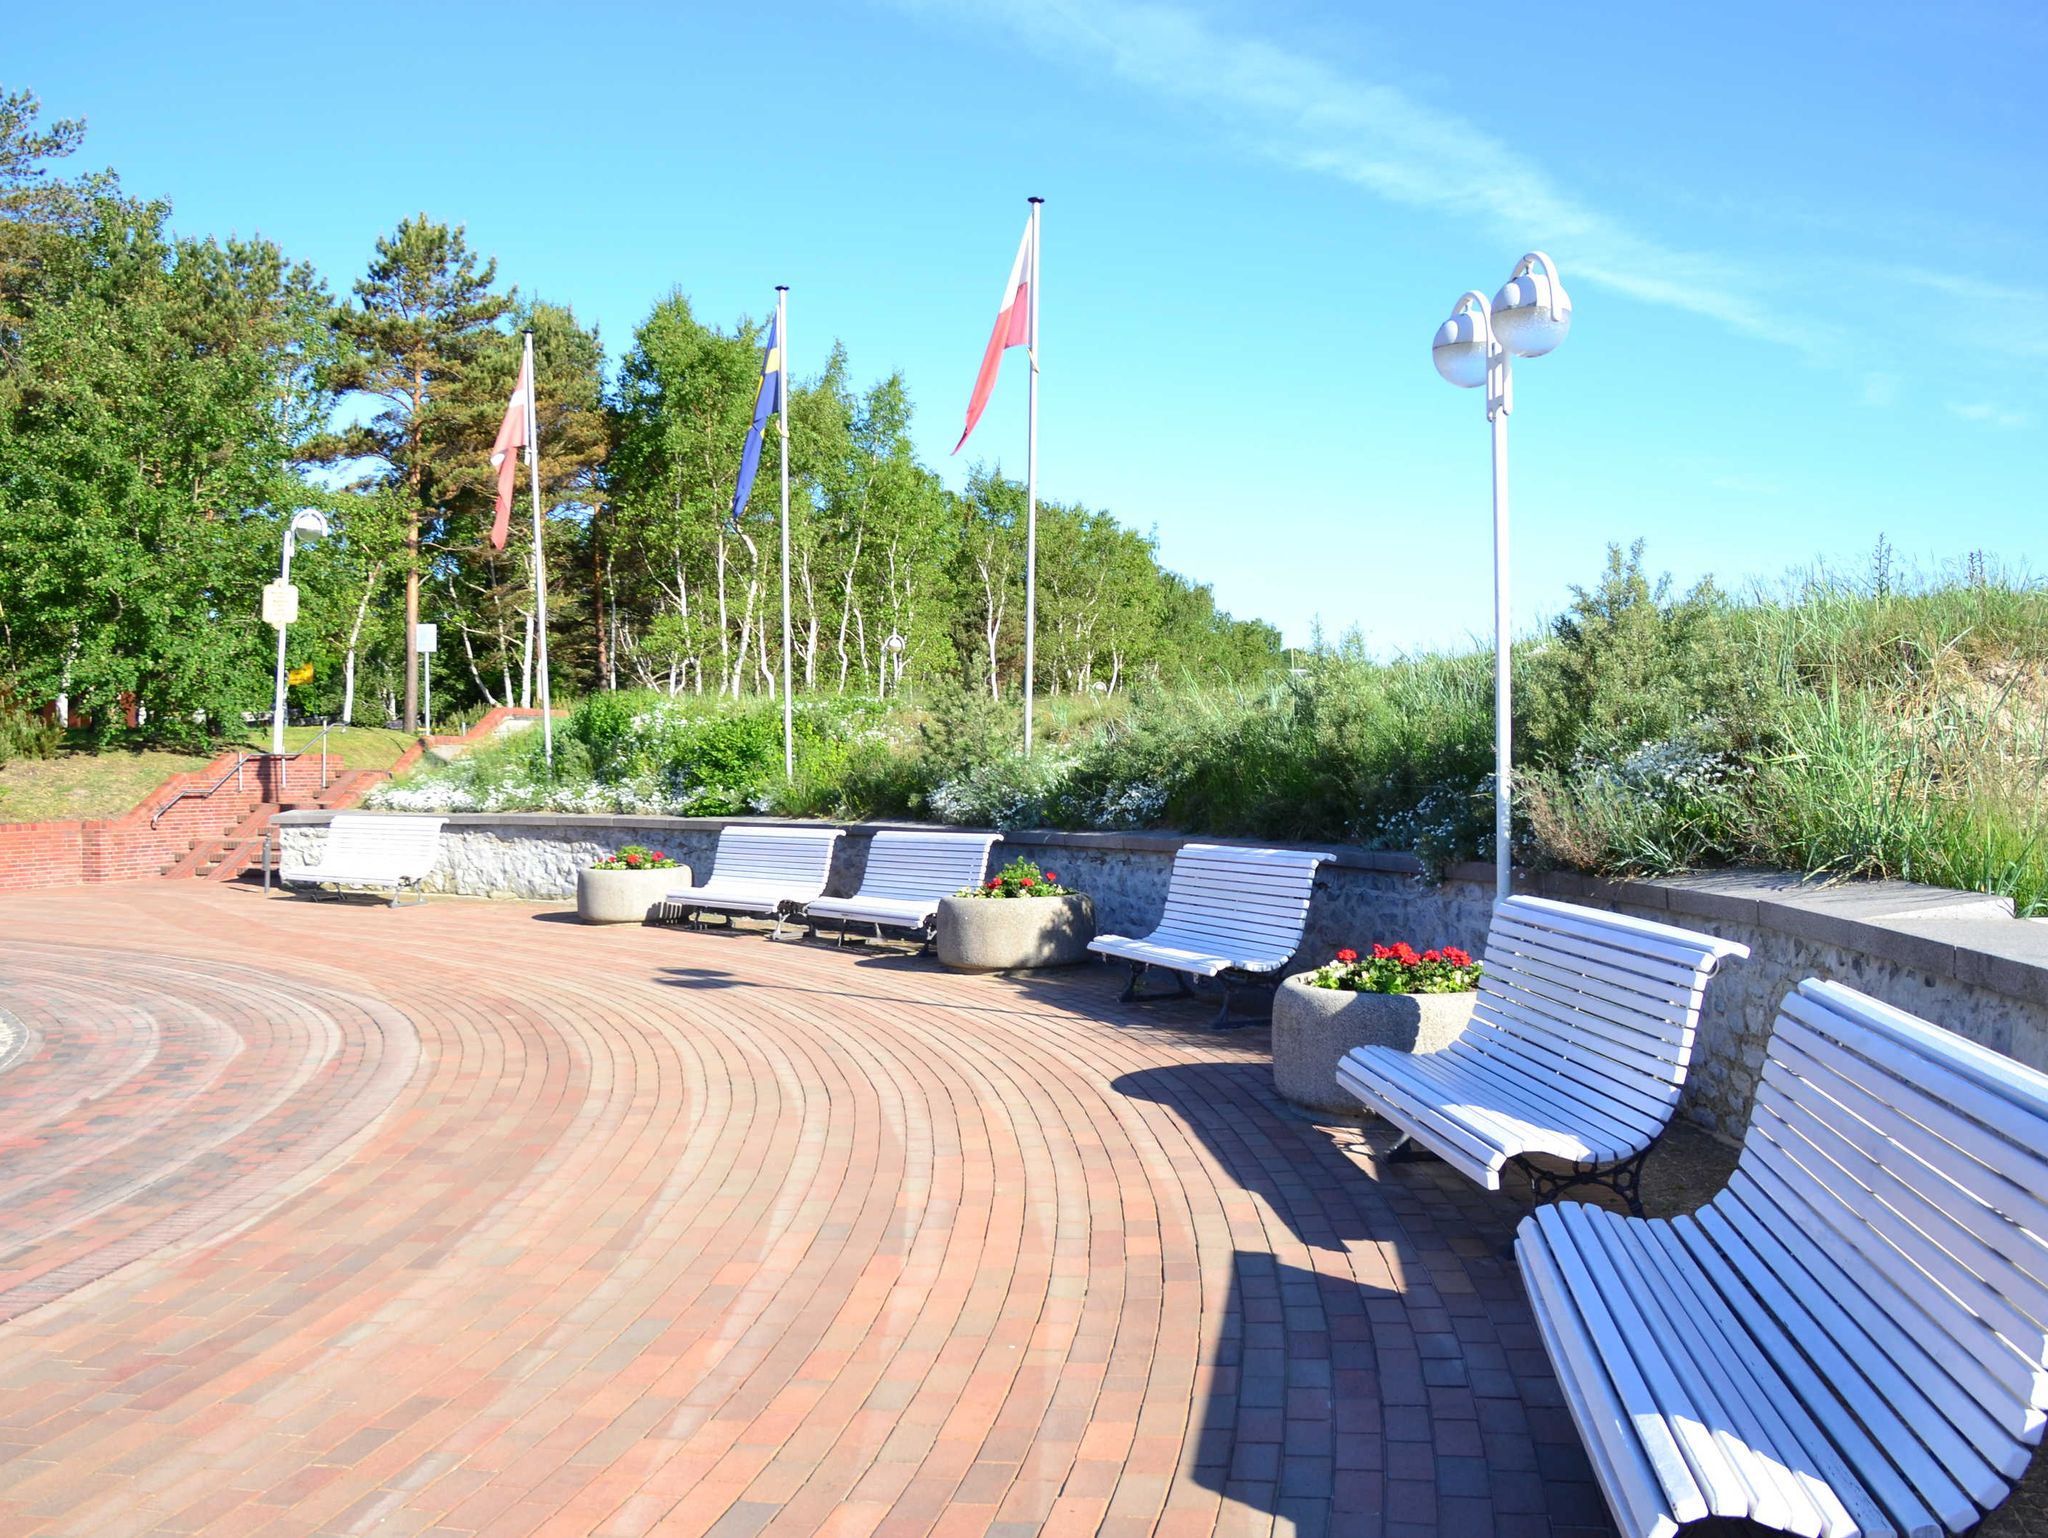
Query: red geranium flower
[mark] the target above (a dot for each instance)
(1052, 875)
(1432, 955)
(1456, 957)
(993, 882)
(1347, 956)
(1382, 953)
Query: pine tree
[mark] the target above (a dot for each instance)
(422, 324)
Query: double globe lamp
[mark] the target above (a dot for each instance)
(1528, 317)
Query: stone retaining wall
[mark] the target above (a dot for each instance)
(1958, 958)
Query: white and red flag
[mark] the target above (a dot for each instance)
(1013, 329)
(504, 461)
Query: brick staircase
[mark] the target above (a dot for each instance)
(238, 851)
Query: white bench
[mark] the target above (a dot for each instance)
(906, 875)
(1853, 1336)
(1577, 1049)
(771, 871)
(1234, 915)
(369, 850)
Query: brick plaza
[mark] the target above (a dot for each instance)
(463, 1219)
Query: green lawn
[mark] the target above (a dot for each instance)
(82, 783)
(359, 747)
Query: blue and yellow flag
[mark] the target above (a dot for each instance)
(767, 404)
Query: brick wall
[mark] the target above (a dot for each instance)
(46, 854)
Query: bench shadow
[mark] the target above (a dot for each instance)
(1325, 1198)
(696, 977)
(1295, 1422)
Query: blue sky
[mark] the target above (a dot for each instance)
(1805, 245)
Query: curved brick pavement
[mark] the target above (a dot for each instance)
(461, 1219)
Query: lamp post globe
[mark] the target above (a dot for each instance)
(309, 523)
(1464, 342)
(1532, 313)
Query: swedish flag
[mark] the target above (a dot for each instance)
(766, 405)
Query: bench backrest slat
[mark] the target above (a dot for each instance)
(921, 866)
(1898, 1170)
(402, 846)
(1224, 898)
(797, 857)
(1601, 999)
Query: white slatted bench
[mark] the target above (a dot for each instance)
(1577, 1049)
(1853, 1336)
(372, 851)
(770, 871)
(907, 873)
(1234, 915)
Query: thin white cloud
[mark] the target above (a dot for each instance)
(1880, 389)
(1990, 415)
(1302, 111)
(1994, 316)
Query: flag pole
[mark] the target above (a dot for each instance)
(1031, 499)
(782, 414)
(540, 567)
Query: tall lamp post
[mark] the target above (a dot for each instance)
(306, 524)
(1528, 317)
(891, 650)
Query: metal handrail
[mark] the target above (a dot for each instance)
(189, 793)
(194, 794)
(321, 738)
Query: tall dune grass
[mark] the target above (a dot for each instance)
(1834, 727)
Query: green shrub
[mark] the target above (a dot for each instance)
(23, 733)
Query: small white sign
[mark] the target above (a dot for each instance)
(427, 638)
(280, 604)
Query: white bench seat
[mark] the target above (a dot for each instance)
(770, 871)
(1852, 1337)
(1232, 914)
(372, 851)
(906, 875)
(1577, 1049)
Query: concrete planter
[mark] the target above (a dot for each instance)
(1314, 1027)
(1010, 934)
(625, 896)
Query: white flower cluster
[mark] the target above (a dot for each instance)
(1675, 769)
(1137, 804)
(1004, 793)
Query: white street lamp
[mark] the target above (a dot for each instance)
(1528, 317)
(892, 649)
(307, 524)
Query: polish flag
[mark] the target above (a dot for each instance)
(1013, 329)
(504, 461)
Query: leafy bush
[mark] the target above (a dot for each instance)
(1628, 664)
(23, 733)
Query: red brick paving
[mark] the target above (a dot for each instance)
(460, 1219)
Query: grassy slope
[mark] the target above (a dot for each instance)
(82, 783)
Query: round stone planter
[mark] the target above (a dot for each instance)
(1011, 934)
(1314, 1027)
(625, 896)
